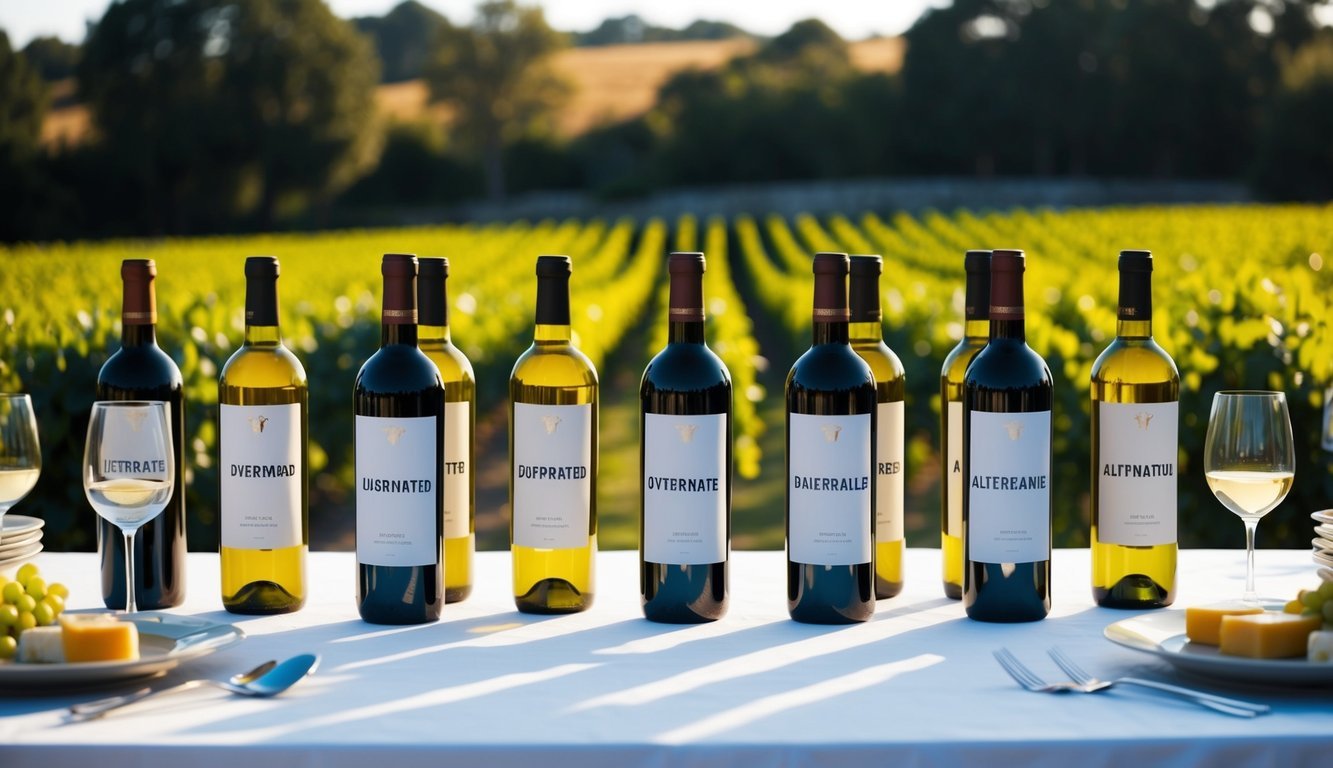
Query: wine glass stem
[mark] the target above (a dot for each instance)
(1250, 525)
(131, 606)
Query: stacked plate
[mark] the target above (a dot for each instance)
(20, 540)
(1323, 540)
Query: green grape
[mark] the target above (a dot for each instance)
(8, 647)
(37, 587)
(11, 592)
(1312, 599)
(26, 572)
(9, 615)
(44, 615)
(58, 589)
(56, 602)
(1326, 590)
(1328, 611)
(26, 621)
(25, 603)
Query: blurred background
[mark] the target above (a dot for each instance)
(197, 132)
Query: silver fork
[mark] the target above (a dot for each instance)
(1076, 672)
(1032, 682)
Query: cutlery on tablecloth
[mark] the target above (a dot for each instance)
(1081, 677)
(1033, 682)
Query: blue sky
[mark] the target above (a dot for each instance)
(854, 19)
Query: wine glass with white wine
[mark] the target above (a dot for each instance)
(20, 453)
(1249, 460)
(128, 469)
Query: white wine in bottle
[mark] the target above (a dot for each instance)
(262, 427)
(1135, 389)
(553, 458)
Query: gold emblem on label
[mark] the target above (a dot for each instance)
(1143, 419)
(686, 432)
(393, 434)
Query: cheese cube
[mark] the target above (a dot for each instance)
(1320, 647)
(98, 637)
(1268, 635)
(1203, 623)
(41, 645)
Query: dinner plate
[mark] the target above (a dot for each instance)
(165, 642)
(16, 543)
(14, 559)
(14, 525)
(1162, 634)
(1325, 530)
(1323, 516)
(1322, 545)
(1323, 558)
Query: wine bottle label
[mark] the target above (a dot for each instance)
(829, 489)
(1136, 479)
(685, 489)
(397, 501)
(1009, 487)
(262, 475)
(954, 487)
(551, 475)
(457, 471)
(889, 472)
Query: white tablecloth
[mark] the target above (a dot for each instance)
(489, 686)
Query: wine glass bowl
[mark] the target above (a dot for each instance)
(128, 469)
(20, 451)
(1249, 460)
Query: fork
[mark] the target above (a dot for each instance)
(1076, 672)
(1032, 682)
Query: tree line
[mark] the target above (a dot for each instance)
(226, 115)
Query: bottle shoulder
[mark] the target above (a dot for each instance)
(956, 362)
(685, 367)
(133, 367)
(1136, 361)
(398, 368)
(450, 360)
(1007, 364)
(263, 367)
(553, 365)
(835, 367)
(883, 362)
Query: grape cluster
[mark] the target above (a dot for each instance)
(27, 602)
(1314, 602)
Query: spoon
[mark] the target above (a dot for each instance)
(267, 679)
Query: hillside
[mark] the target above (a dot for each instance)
(611, 82)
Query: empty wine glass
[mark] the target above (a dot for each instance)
(1249, 460)
(20, 453)
(128, 470)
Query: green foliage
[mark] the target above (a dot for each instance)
(496, 77)
(633, 29)
(404, 38)
(53, 58)
(214, 111)
(26, 191)
(1296, 154)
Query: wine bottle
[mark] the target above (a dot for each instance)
(1007, 398)
(1135, 419)
(399, 446)
(140, 370)
(976, 329)
(831, 404)
(685, 463)
(460, 408)
(867, 337)
(263, 407)
(553, 458)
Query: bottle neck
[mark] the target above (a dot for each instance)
(552, 325)
(398, 333)
(261, 311)
(138, 335)
(687, 332)
(433, 333)
(831, 333)
(976, 329)
(546, 333)
(262, 336)
(865, 332)
(1134, 315)
(1006, 305)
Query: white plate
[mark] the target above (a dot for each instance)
(19, 542)
(18, 524)
(1323, 516)
(1325, 530)
(1162, 634)
(165, 642)
(15, 559)
(1322, 545)
(1323, 558)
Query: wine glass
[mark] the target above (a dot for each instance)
(128, 470)
(1249, 460)
(20, 453)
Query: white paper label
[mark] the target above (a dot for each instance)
(397, 500)
(1009, 487)
(552, 475)
(955, 473)
(262, 475)
(1136, 482)
(685, 489)
(829, 486)
(889, 472)
(457, 470)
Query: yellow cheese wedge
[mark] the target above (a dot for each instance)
(1203, 623)
(1267, 635)
(98, 637)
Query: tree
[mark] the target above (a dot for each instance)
(1296, 148)
(497, 78)
(23, 104)
(404, 39)
(52, 57)
(216, 112)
